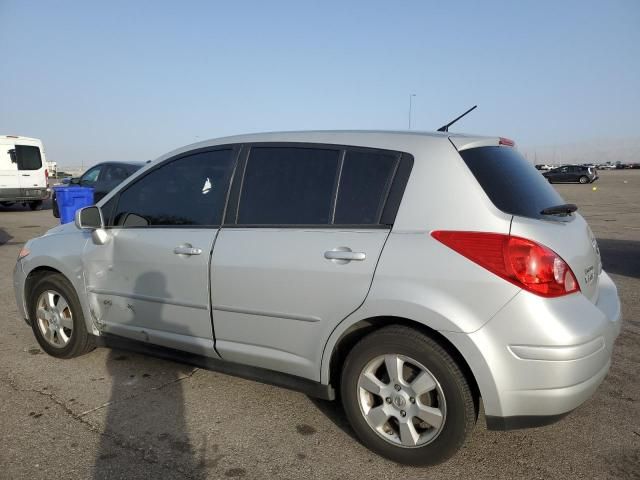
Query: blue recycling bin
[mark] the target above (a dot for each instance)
(70, 199)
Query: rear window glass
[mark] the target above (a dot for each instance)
(511, 182)
(28, 157)
(364, 185)
(288, 186)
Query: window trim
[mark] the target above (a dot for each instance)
(387, 212)
(235, 148)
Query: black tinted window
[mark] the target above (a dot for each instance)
(188, 191)
(91, 176)
(284, 186)
(364, 184)
(510, 181)
(28, 157)
(115, 173)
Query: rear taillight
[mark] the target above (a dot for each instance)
(46, 175)
(525, 263)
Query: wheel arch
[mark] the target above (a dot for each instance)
(361, 328)
(34, 276)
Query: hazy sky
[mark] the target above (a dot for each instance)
(122, 80)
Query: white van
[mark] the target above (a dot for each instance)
(23, 171)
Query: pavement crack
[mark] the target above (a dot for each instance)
(143, 392)
(127, 445)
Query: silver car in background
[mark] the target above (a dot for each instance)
(409, 274)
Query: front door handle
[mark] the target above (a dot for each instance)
(187, 249)
(344, 254)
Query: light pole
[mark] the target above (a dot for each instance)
(410, 107)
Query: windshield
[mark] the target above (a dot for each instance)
(511, 181)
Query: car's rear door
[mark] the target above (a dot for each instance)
(150, 281)
(298, 251)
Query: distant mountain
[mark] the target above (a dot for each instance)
(625, 150)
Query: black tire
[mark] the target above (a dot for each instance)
(584, 179)
(54, 207)
(6, 204)
(35, 205)
(80, 341)
(461, 413)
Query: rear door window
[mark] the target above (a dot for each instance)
(288, 186)
(364, 185)
(28, 157)
(510, 181)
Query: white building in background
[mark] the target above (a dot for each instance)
(52, 167)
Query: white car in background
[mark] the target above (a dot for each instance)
(23, 171)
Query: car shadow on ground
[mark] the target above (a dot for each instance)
(156, 429)
(334, 412)
(18, 207)
(621, 257)
(4, 236)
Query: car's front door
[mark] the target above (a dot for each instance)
(298, 251)
(150, 280)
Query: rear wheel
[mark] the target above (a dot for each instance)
(406, 398)
(35, 205)
(583, 179)
(56, 318)
(6, 204)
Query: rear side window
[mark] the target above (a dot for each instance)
(288, 185)
(189, 191)
(510, 181)
(28, 157)
(364, 185)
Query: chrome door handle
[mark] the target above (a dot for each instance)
(345, 255)
(187, 250)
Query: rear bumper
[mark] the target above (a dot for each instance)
(538, 359)
(23, 194)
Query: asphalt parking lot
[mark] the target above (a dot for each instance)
(113, 414)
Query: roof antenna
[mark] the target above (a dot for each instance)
(445, 128)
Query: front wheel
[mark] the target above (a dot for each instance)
(35, 205)
(406, 398)
(56, 318)
(583, 179)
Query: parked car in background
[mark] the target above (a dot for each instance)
(23, 171)
(309, 260)
(102, 177)
(572, 174)
(544, 167)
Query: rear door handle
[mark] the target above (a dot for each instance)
(187, 250)
(344, 255)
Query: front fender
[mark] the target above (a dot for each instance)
(62, 252)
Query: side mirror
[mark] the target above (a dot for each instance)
(90, 218)
(12, 155)
(74, 181)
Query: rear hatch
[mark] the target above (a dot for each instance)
(517, 188)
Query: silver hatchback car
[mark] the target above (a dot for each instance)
(410, 274)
